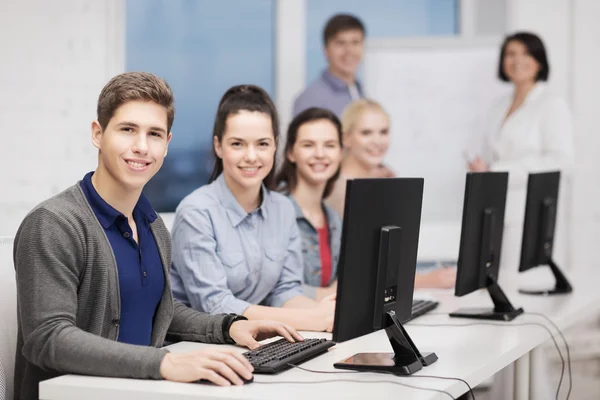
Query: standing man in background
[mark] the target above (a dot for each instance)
(344, 38)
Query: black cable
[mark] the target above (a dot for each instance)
(387, 372)
(446, 378)
(314, 371)
(351, 381)
(566, 346)
(513, 324)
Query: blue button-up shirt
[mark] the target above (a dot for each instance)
(141, 275)
(327, 92)
(225, 259)
(311, 251)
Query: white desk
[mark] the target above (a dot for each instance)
(472, 353)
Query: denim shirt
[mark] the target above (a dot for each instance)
(327, 92)
(225, 259)
(311, 250)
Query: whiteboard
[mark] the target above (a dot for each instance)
(437, 92)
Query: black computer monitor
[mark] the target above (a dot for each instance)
(376, 270)
(538, 229)
(481, 244)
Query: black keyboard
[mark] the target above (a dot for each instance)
(420, 307)
(274, 357)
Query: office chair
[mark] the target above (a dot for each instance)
(8, 318)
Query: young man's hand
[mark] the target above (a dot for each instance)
(249, 333)
(220, 366)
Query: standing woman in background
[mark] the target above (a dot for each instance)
(236, 245)
(528, 130)
(313, 153)
(366, 138)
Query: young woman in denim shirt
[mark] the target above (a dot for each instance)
(312, 164)
(236, 245)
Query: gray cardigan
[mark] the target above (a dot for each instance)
(69, 303)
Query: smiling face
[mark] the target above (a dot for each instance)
(247, 149)
(317, 152)
(344, 52)
(369, 138)
(518, 65)
(133, 145)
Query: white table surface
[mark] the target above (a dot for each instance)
(473, 353)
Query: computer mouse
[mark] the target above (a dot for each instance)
(207, 382)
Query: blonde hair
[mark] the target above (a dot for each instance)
(355, 110)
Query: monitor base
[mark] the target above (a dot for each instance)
(503, 309)
(486, 314)
(550, 292)
(428, 358)
(380, 362)
(562, 285)
(405, 360)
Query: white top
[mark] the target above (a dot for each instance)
(537, 137)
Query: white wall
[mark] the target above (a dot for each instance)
(290, 56)
(585, 80)
(56, 57)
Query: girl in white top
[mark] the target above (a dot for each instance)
(366, 139)
(528, 130)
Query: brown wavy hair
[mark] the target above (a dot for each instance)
(287, 178)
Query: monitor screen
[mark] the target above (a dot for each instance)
(373, 204)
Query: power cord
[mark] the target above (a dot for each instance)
(445, 378)
(566, 346)
(386, 372)
(512, 324)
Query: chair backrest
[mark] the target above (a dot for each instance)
(8, 317)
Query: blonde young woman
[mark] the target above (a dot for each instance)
(366, 138)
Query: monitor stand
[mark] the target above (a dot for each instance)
(503, 310)
(405, 360)
(562, 284)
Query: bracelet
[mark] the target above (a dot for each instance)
(227, 326)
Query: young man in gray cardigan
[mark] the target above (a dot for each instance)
(92, 266)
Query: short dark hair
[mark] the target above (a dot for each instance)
(244, 98)
(134, 86)
(341, 23)
(535, 47)
(286, 178)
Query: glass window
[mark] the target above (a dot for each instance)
(201, 47)
(382, 18)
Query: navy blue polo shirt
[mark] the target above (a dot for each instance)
(141, 275)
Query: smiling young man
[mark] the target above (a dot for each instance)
(92, 265)
(343, 37)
